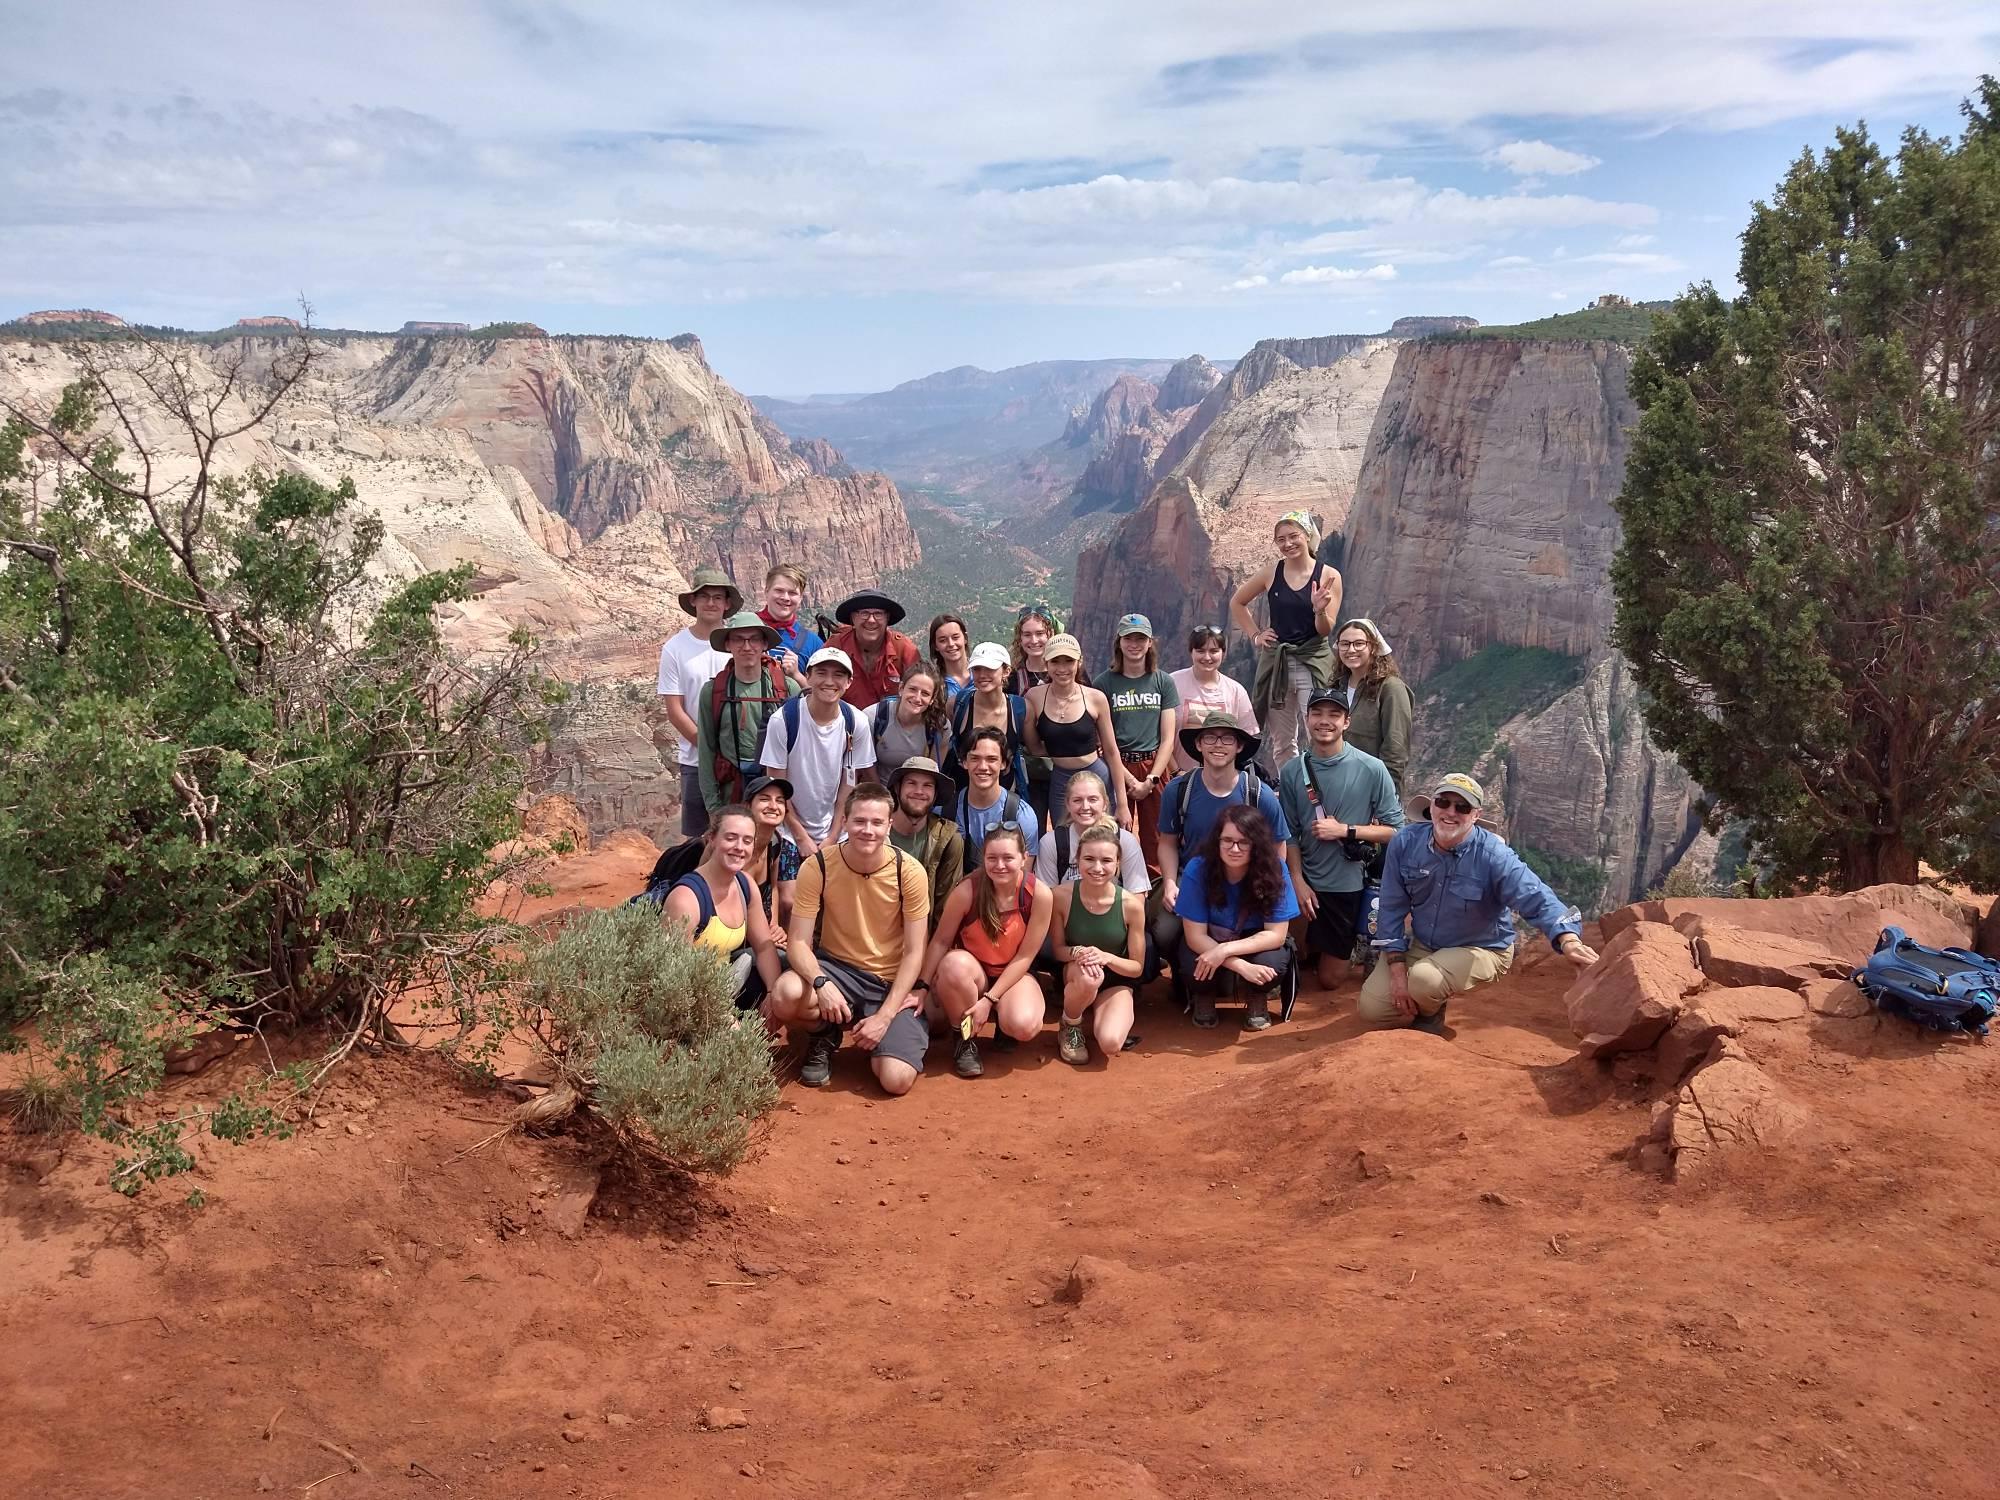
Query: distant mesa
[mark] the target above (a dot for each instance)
(266, 323)
(1418, 328)
(1187, 383)
(74, 315)
(415, 326)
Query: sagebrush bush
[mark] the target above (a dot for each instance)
(642, 1025)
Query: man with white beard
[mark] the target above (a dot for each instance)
(1449, 889)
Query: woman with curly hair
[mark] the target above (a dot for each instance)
(915, 721)
(1235, 903)
(951, 654)
(1380, 706)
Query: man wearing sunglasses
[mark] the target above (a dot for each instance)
(1449, 889)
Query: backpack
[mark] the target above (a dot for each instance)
(1187, 781)
(1942, 989)
(934, 743)
(961, 726)
(1010, 812)
(819, 917)
(668, 870)
(704, 900)
(790, 715)
(722, 695)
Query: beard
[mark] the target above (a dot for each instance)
(1452, 839)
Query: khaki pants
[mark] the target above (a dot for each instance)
(1434, 979)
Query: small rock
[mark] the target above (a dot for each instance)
(575, 1435)
(1518, 1474)
(264, 1484)
(617, 1419)
(723, 1418)
(1036, 1299)
(572, 1414)
(841, 1161)
(758, 1268)
(751, 1471)
(1372, 1163)
(351, 1128)
(1500, 1200)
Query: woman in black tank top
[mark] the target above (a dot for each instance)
(1302, 599)
(1071, 724)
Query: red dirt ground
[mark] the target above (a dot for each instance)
(1309, 1263)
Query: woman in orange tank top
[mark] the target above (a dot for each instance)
(990, 930)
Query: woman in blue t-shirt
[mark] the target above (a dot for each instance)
(1235, 901)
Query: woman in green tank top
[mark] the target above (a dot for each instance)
(1099, 929)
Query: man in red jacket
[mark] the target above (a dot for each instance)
(881, 655)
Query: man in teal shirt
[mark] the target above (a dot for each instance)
(1340, 802)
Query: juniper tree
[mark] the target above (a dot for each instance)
(1809, 581)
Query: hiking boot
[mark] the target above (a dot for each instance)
(1001, 1041)
(965, 1058)
(1433, 1023)
(1256, 1014)
(1204, 1011)
(1072, 1046)
(817, 1069)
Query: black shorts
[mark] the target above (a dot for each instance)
(908, 1036)
(1330, 933)
(1227, 982)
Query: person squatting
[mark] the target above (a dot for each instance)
(895, 846)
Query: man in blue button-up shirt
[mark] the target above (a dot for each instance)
(1445, 924)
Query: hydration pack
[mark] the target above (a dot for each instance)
(1943, 989)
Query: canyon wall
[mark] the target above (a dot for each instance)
(1291, 437)
(1472, 480)
(584, 478)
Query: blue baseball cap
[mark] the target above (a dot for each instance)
(1135, 625)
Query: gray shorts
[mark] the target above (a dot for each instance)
(908, 1036)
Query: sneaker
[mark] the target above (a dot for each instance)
(1434, 1023)
(1204, 1010)
(817, 1069)
(1256, 1014)
(1072, 1046)
(965, 1058)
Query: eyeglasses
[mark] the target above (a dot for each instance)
(1233, 843)
(1450, 805)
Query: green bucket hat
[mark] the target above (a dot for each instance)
(709, 578)
(743, 619)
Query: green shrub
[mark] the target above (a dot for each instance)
(241, 782)
(642, 1027)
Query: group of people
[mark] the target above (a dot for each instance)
(901, 845)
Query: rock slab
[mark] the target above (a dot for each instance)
(1638, 988)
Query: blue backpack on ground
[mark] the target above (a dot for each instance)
(1944, 989)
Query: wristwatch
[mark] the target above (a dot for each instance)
(820, 979)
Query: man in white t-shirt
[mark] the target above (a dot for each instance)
(688, 664)
(820, 744)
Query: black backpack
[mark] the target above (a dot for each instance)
(668, 868)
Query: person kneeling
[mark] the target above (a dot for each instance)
(1100, 940)
(1449, 888)
(1235, 902)
(977, 964)
(717, 906)
(855, 948)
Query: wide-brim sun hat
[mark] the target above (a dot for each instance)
(990, 654)
(709, 578)
(1247, 744)
(868, 599)
(743, 619)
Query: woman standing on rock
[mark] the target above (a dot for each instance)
(977, 963)
(1380, 705)
(717, 907)
(1302, 599)
(1071, 725)
(1099, 929)
(951, 654)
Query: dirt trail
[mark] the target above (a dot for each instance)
(1308, 1263)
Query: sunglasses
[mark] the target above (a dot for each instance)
(1450, 805)
(1036, 612)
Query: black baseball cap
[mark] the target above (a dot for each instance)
(1333, 696)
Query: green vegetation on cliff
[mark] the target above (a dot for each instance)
(973, 572)
(1580, 882)
(1619, 325)
(1462, 706)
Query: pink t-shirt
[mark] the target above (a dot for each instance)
(1227, 695)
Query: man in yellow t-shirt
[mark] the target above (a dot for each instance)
(859, 923)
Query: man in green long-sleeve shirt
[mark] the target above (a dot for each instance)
(731, 711)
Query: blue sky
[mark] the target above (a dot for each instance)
(839, 195)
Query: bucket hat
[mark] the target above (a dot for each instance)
(743, 619)
(709, 578)
(1247, 744)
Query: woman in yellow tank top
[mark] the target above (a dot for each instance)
(716, 904)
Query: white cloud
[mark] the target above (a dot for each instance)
(1247, 283)
(1634, 241)
(1504, 262)
(1539, 158)
(1316, 275)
